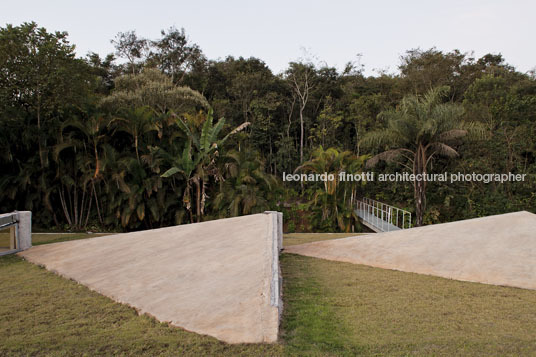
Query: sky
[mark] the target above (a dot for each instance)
(372, 33)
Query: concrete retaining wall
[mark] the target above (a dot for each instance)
(24, 228)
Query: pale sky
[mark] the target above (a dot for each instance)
(277, 31)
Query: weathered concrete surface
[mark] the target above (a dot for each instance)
(24, 228)
(498, 250)
(219, 278)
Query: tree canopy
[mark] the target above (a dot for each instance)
(157, 134)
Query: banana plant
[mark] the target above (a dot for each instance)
(197, 162)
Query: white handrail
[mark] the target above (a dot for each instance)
(383, 216)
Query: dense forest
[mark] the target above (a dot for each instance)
(157, 134)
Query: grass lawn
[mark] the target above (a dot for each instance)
(302, 238)
(335, 308)
(4, 239)
(43, 238)
(331, 308)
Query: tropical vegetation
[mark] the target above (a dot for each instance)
(157, 134)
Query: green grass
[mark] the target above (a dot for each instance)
(335, 308)
(302, 238)
(4, 239)
(290, 239)
(40, 238)
(43, 238)
(330, 309)
(44, 314)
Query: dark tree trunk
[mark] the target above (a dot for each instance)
(419, 168)
(301, 136)
(420, 202)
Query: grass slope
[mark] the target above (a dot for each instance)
(302, 238)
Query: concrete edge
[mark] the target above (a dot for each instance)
(276, 282)
(24, 229)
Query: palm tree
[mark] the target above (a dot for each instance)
(246, 185)
(197, 162)
(333, 205)
(137, 122)
(421, 128)
(80, 167)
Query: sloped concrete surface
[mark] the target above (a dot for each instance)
(219, 278)
(499, 250)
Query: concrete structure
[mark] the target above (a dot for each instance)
(24, 229)
(499, 250)
(19, 224)
(219, 278)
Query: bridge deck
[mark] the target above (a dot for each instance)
(375, 223)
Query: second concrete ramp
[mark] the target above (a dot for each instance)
(219, 278)
(498, 250)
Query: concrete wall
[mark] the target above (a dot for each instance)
(24, 229)
(276, 285)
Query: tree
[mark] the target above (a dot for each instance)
(245, 90)
(136, 122)
(421, 128)
(41, 85)
(422, 70)
(155, 90)
(500, 103)
(197, 162)
(246, 185)
(128, 45)
(333, 203)
(362, 114)
(174, 54)
(324, 131)
(34, 66)
(79, 164)
(105, 70)
(301, 79)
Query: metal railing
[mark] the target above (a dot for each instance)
(19, 224)
(383, 216)
(9, 221)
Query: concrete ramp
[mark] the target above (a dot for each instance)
(499, 250)
(220, 278)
